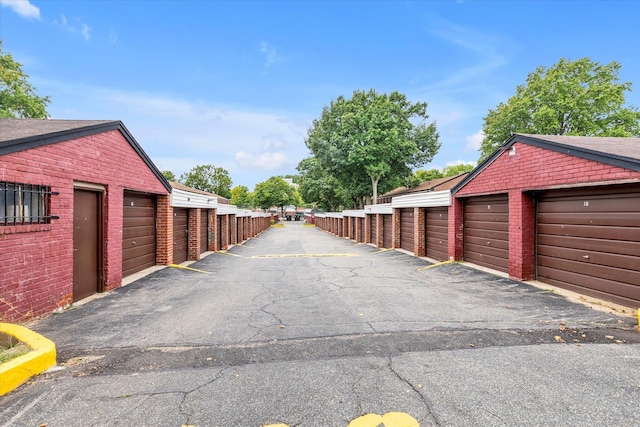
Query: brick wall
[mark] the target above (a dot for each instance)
(36, 262)
(419, 232)
(530, 168)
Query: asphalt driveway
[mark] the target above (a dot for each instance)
(299, 327)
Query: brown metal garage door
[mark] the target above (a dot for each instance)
(387, 231)
(204, 231)
(219, 232)
(360, 229)
(437, 233)
(406, 229)
(180, 235)
(589, 241)
(373, 227)
(486, 231)
(138, 232)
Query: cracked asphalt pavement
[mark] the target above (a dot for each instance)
(302, 328)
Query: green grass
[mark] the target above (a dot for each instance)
(10, 348)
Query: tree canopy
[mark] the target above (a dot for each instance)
(208, 178)
(168, 175)
(18, 99)
(273, 192)
(241, 197)
(318, 187)
(579, 97)
(372, 140)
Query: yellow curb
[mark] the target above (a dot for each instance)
(189, 268)
(19, 370)
(309, 225)
(435, 265)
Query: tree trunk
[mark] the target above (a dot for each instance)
(374, 184)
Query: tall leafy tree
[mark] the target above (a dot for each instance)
(273, 192)
(318, 187)
(372, 137)
(579, 97)
(208, 178)
(18, 99)
(241, 197)
(168, 175)
(454, 170)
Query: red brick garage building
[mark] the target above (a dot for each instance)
(81, 206)
(564, 210)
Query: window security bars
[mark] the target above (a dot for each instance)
(22, 204)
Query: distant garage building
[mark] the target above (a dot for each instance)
(561, 209)
(81, 206)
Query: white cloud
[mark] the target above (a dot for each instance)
(74, 28)
(179, 134)
(264, 161)
(474, 141)
(270, 53)
(460, 162)
(22, 7)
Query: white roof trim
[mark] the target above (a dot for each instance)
(227, 210)
(187, 199)
(423, 199)
(334, 214)
(383, 208)
(357, 213)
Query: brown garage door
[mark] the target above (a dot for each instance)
(138, 232)
(406, 229)
(387, 231)
(180, 235)
(589, 241)
(437, 233)
(204, 231)
(219, 233)
(373, 227)
(486, 231)
(360, 230)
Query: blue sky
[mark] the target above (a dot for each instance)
(237, 84)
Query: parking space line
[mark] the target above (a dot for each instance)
(303, 255)
(435, 265)
(189, 268)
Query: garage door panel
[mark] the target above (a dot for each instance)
(580, 243)
(406, 229)
(589, 239)
(625, 219)
(592, 232)
(138, 232)
(600, 288)
(596, 203)
(488, 235)
(180, 235)
(387, 237)
(486, 231)
(486, 260)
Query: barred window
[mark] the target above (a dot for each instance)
(24, 204)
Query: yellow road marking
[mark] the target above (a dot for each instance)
(276, 425)
(302, 255)
(228, 253)
(434, 265)
(383, 250)
(390, 419)
(189, 268)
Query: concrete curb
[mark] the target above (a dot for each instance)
(19, 370)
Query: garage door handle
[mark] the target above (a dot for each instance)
(488, 243)
(133, 243)
(585, 256)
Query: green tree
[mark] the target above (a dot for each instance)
(273, 192)
(241, 197)
(454, 170)
(579, 97)
(168, 175)
(208, 178)
(372, 137)
(318, 188)
(18, 98)
(429, 174)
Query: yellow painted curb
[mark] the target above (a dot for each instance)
(19, 370)
(435, 265)
(189, 268)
